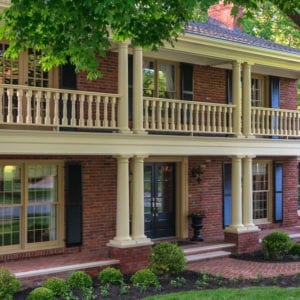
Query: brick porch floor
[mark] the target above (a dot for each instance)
(228, 267)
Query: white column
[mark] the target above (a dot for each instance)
(138, 225)
(138, 90)
(123, 87)
(236, 98)
(122, 237)
(236, 196)
(246, 103)
(248, 194)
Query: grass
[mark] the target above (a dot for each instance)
(265, 293)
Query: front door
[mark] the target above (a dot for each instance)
(159, 199)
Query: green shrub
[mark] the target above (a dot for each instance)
(143, 279)
(111, 275)
(41, 293)
(9, 284)
(58, 286)
(79, 280)
(276, 244)
(167, 258)
(295, 250)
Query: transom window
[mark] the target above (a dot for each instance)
(261, 190)
(30, 200)
(159, 79)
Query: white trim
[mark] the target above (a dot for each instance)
(14, 142)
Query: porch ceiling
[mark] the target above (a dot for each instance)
(219, 53)
(14, 142)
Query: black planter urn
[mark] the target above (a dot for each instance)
(197, 224)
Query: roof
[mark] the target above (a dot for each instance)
(216, 29)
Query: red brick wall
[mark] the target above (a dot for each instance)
(99, 203)
(108, 83)
(207, 196)
(210, 84)
(245, 242)
(288, 93)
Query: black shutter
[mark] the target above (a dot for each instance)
(73, 205)
(278, 190)
(187, 82)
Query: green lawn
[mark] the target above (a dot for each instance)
(257, 293)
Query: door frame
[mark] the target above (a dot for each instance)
(181, 191)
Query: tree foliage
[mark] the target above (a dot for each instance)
(82, 30)
(271, 23)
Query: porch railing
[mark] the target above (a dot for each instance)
(23, 105)
(169, 115)
(275, 122)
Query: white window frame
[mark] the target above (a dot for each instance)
(60, 236)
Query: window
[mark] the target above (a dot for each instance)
(261, 190)
(159, 79)
(30, 205)
(257, 92)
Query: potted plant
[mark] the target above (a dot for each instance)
(197, 224)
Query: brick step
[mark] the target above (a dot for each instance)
(207, 255)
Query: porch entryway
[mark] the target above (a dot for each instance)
(159, 199)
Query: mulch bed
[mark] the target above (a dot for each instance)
(192, 281)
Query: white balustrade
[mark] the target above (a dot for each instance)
(275, 122)
(23, 105)
(170, 115)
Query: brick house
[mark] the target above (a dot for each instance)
(108, 166)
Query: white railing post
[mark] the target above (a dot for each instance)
(20, 109)
(137, 104)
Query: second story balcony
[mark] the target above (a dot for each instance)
(23, 108)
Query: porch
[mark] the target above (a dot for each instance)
(35, 270)
(33, 108)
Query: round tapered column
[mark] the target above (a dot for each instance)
(246, 99)
(138, 223)
(122, 237)
(123, 87)
(236, 202)
(138, 90)
(236, 98)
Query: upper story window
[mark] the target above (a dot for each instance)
(160, 79)
(257, 91)
(26, 70)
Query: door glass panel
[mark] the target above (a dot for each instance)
(159, 200)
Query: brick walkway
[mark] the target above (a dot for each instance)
(233, 268)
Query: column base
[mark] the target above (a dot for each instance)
(235, 228)
(122, 243)
(140, 131)
(125, 131)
